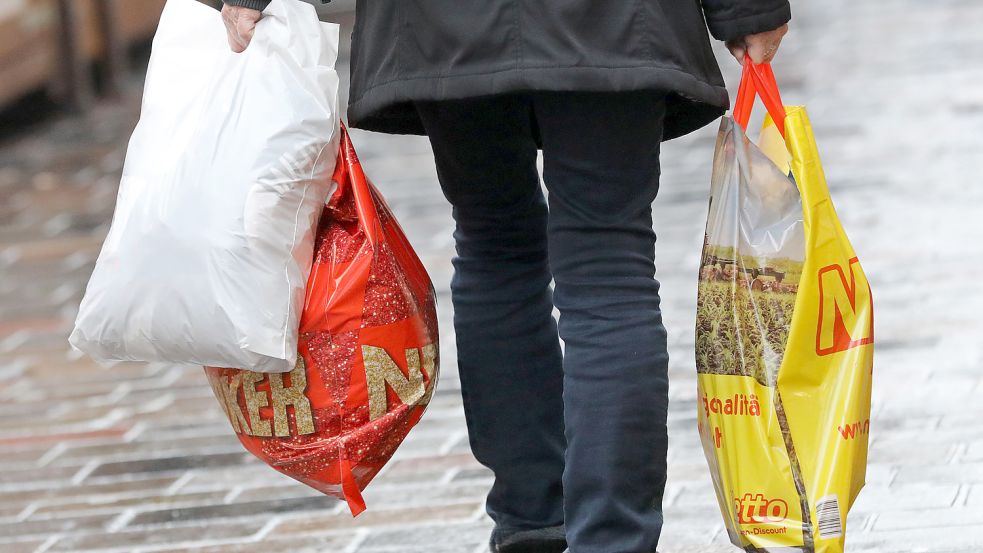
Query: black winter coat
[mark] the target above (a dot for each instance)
(411, 50)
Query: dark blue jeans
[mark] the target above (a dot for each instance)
(578, 436)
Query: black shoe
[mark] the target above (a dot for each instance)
(540, 540)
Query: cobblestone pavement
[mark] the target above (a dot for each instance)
(138, 458)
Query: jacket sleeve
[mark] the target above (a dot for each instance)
(255, 4)
(251, 4)
(730, 19)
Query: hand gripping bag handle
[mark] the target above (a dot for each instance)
(758, 80)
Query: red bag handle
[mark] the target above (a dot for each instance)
(348, 172)
(758, 80)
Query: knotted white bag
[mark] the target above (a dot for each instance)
(226, 174)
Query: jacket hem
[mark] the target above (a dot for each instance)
(389, 107)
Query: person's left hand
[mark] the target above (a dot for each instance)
(762, 47)
(240, 24)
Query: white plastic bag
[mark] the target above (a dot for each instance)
(211, 243)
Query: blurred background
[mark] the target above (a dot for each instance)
(139, 458)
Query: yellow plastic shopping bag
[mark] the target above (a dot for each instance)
(784, 338)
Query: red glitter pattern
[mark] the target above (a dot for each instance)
(387, 298)
(334, 355)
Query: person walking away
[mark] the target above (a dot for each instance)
(576, 438)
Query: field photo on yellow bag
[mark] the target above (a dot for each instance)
(784, 337)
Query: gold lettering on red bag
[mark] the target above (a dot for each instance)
(429, 352)
(291, 395)
(381, 370)
(231, 396)
(254, 400)
(278, 398)
(219, 389)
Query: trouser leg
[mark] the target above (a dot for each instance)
(601, 154)
(508, 351)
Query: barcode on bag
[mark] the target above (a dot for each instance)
(828, 516)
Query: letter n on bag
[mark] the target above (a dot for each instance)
(845, 317)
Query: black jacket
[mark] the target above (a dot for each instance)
(413, 50)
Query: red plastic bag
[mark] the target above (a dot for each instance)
(368, 353)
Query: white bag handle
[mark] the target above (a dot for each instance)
(294, 24)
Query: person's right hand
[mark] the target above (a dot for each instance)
(761, 47)
(240, 24)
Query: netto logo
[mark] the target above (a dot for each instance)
(756, 509)
(846, 312)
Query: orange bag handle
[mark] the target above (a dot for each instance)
(758, 80)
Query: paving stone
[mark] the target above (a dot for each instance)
(968, 473)
(115, 503)
(92, 490)
(23, 456)
(950, 519)
(480, 473)
(234, 510)
(308, 544)
(143, 449)
(433, 548)
(974, 497)
(881, 499)
(27, 546)
(919, 540)
(168, 464)
(383, 517)
(157, 428)
(130, 540)
(253, 474)
(285, 490)
(421, 536)
(53, 434)
(54, 526)
(974, 452)
(420, 494)
(428, 466)
(20, 477)
(712, 548)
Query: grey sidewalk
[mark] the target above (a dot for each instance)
(140, 459)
